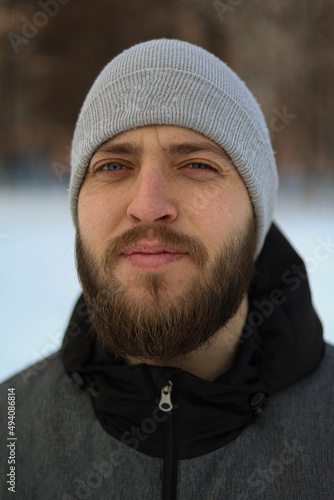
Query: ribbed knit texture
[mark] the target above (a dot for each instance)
(176, 83)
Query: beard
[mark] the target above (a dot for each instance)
(161, 325)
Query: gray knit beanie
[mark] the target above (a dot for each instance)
(172, 82)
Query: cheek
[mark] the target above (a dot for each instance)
(218, 211)
(213, 207)
(98, 214)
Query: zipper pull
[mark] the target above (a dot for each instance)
(165, 399)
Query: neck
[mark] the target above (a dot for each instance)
(213, 360)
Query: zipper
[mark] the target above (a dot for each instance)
(169, 485)
(165, 398)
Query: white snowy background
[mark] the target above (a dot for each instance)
(38, 283)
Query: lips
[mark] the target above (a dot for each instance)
(151, 249)
(146, 256)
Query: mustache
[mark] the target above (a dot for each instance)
(166, 236)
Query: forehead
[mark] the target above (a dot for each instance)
(168, 138)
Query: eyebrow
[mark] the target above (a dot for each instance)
(128, 148)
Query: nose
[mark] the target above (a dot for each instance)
(151, 196)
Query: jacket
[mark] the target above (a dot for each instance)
(90, 427)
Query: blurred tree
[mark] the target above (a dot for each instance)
(52, 50)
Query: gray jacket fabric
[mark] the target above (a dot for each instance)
(62, 451)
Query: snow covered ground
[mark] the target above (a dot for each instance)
(38, 284)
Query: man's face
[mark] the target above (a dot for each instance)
(165, 241)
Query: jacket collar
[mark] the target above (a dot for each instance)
(280, 344)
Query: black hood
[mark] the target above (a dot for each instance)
(281, 343)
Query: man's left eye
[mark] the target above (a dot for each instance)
(111, 167)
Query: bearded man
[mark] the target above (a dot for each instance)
(193, 365)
